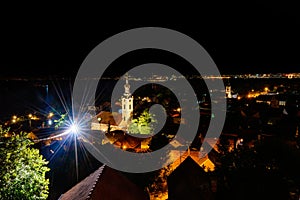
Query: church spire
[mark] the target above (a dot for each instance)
(127, 87)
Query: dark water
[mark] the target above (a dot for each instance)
(18, 97)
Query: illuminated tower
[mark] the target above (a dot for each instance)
(127, 104)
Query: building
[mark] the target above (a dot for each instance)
(274, 100)
(105, 120)
(127, 105)
(228, 91)
(203, 161)
(189, 181)
(106, 184)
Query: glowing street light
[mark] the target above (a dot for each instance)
(50, 115)
(14, 119)
(30, 118)
(74, 128)
(50, 122)
(266, 89)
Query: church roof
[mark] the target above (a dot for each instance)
(113, 118)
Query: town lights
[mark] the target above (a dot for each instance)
(14, 119)
(266, 89)
(50, 115)
(50, 122)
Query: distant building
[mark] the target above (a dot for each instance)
(228, 91)
(274, 100)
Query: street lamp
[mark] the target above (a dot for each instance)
(30, 117)
(50, 115)
(14, 119)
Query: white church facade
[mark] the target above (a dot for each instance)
(127, 105)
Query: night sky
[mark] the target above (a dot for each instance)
(241, 37)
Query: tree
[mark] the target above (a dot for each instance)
(144, 124)
(158, 184)
(59, 122)
(22, 168)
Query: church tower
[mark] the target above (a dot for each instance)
(127, 104)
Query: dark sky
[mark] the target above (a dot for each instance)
(241, 37)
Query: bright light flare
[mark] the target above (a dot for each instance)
(74, 128)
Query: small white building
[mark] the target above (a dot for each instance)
(228, 92)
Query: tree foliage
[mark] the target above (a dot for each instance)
(59, 122)
(159, 182)
(144, 124)
(22, 168)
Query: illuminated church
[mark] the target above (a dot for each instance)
(116, 121)
(127, 105)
